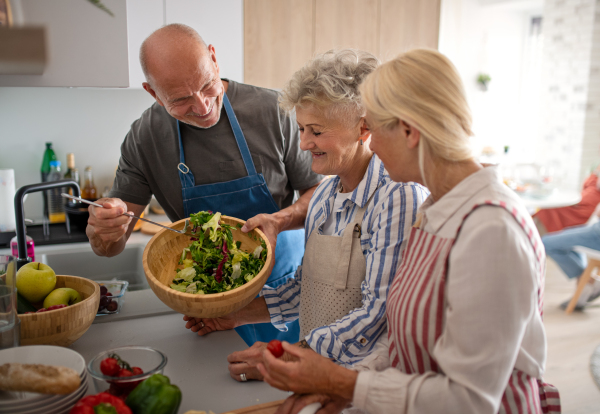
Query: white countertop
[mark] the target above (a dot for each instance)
(197, 365)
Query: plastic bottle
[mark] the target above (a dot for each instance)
(30, 247)
(89, 191)
(49, 155)
(56, 207)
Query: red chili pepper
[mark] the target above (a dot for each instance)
(275, 347)
(103, 400)
(110, 367)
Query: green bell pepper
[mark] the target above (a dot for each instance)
(155, 395)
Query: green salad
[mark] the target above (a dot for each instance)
(213, 262)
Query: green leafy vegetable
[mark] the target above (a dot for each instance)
(213, 262)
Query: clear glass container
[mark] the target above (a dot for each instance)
(150, 360)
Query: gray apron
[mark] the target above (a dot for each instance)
(332, 271)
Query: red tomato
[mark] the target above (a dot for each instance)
(137, 371)
(110, 367)
(275, 348)
(125, 373)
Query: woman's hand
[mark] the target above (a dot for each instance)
(204, 326)
(246, 361)
(296, 402)
(309, 374)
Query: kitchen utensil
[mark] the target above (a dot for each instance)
(160, 260)
(150, 360)
(151, 229)
(9, 322)
(63, 326)
(185, 230)
(117, 289)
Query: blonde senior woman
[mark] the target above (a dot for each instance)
(356, 224)
(465, 309)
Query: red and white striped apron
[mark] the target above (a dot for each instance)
(416, 307)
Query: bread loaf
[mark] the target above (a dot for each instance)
(44, 379)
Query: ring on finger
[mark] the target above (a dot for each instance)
(203, 325)
(243, 377)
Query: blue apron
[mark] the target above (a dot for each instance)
(244, 198)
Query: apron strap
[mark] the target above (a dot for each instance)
(185, 174)
(239, 137)
(351, 232)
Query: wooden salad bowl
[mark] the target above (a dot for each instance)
(160, 259)
(64, 326)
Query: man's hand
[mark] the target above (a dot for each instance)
(204, 326)
(270, 224)
(289, 218)
(295, 403)
(108, 229)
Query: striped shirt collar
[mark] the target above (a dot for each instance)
(367, 186)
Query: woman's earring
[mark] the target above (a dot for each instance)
(361, 141)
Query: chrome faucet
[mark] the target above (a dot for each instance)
(20, 215)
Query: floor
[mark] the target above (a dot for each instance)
(571, 341)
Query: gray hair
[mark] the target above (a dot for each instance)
(330, 81)
(170, 29)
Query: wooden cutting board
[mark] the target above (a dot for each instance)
(151, 229)
(266, 408)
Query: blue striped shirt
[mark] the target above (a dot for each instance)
(386, 223)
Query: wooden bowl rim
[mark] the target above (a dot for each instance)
(178, 225)
(68, 308)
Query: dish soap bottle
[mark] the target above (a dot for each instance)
(14, 247)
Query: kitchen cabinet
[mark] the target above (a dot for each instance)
(278, 39)
(281, 35)
(86, 47)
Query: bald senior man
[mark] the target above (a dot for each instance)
(210, 144)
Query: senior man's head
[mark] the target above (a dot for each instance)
(329, 111)
(182, 74)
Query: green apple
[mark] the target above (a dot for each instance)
(35, 281)
(62, 296)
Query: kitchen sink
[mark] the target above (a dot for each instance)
(80, 260)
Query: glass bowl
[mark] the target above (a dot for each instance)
(150, 360)
(111, 304)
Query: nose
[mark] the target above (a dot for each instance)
(306, 143)
(201, 104)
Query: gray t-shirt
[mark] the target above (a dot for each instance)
(150, 152)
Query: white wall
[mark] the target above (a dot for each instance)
(91, 123)
(489, 37)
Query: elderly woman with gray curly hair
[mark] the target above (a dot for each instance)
(355, 227)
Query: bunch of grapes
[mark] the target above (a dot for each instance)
(106, 302)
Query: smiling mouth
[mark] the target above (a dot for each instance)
(206, 114)
(317, 154)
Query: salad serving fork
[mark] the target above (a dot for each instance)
(186, 228)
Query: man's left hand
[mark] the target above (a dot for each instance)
(270, 224)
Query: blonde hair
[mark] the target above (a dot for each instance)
(330, 81)
(422, 88)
